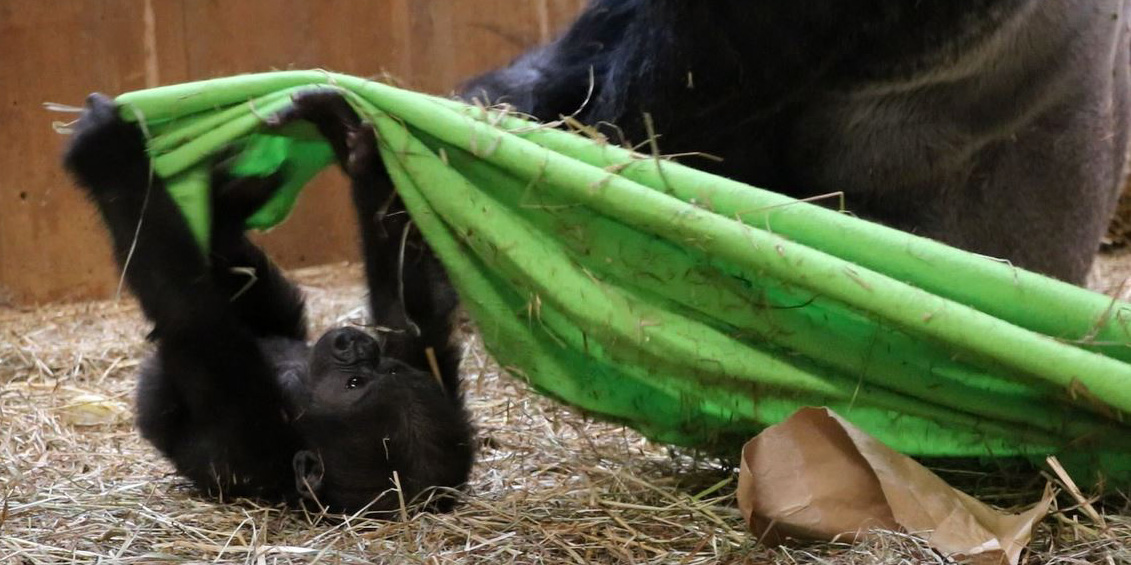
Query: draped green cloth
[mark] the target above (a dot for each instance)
(692, 308)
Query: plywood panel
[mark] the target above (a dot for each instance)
(51, 244)
(227, 37)
(452, 41)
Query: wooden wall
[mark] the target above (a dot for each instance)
(51, 244)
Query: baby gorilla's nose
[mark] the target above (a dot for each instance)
(351, 345)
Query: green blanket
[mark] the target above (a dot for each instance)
(693, 308)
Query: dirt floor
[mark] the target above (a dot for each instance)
(78, 485)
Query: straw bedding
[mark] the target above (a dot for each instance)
(79, 486)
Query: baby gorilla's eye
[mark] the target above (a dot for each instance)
(354, 382)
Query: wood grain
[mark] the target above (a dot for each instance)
(52, 246)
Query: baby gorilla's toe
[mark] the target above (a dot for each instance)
(361, 143)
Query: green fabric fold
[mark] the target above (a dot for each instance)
(693, 308)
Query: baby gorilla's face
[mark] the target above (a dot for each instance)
(340, 375)
(363, 418)
(346, 370)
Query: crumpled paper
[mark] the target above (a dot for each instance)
(92, 409)
(816, 476)
(73, 405)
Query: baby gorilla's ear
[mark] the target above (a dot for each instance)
(308, 474)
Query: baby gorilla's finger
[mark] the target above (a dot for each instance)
(99, 109)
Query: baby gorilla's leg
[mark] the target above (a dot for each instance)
(209, 400)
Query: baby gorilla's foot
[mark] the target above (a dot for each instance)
(328, 110)
(361, 143)
(351, 138)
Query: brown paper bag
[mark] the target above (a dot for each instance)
(818, 477)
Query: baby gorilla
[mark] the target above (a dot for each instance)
(234, 395)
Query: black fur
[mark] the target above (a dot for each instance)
(999, 126)
(234, 396)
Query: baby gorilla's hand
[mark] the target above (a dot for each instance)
(235, 198)
(104, 147)
(351, 138)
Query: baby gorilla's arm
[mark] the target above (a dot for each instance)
(208, 400)
(163, 265)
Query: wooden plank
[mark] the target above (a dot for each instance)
(52, 246)
(236, 37)
(461, 39)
